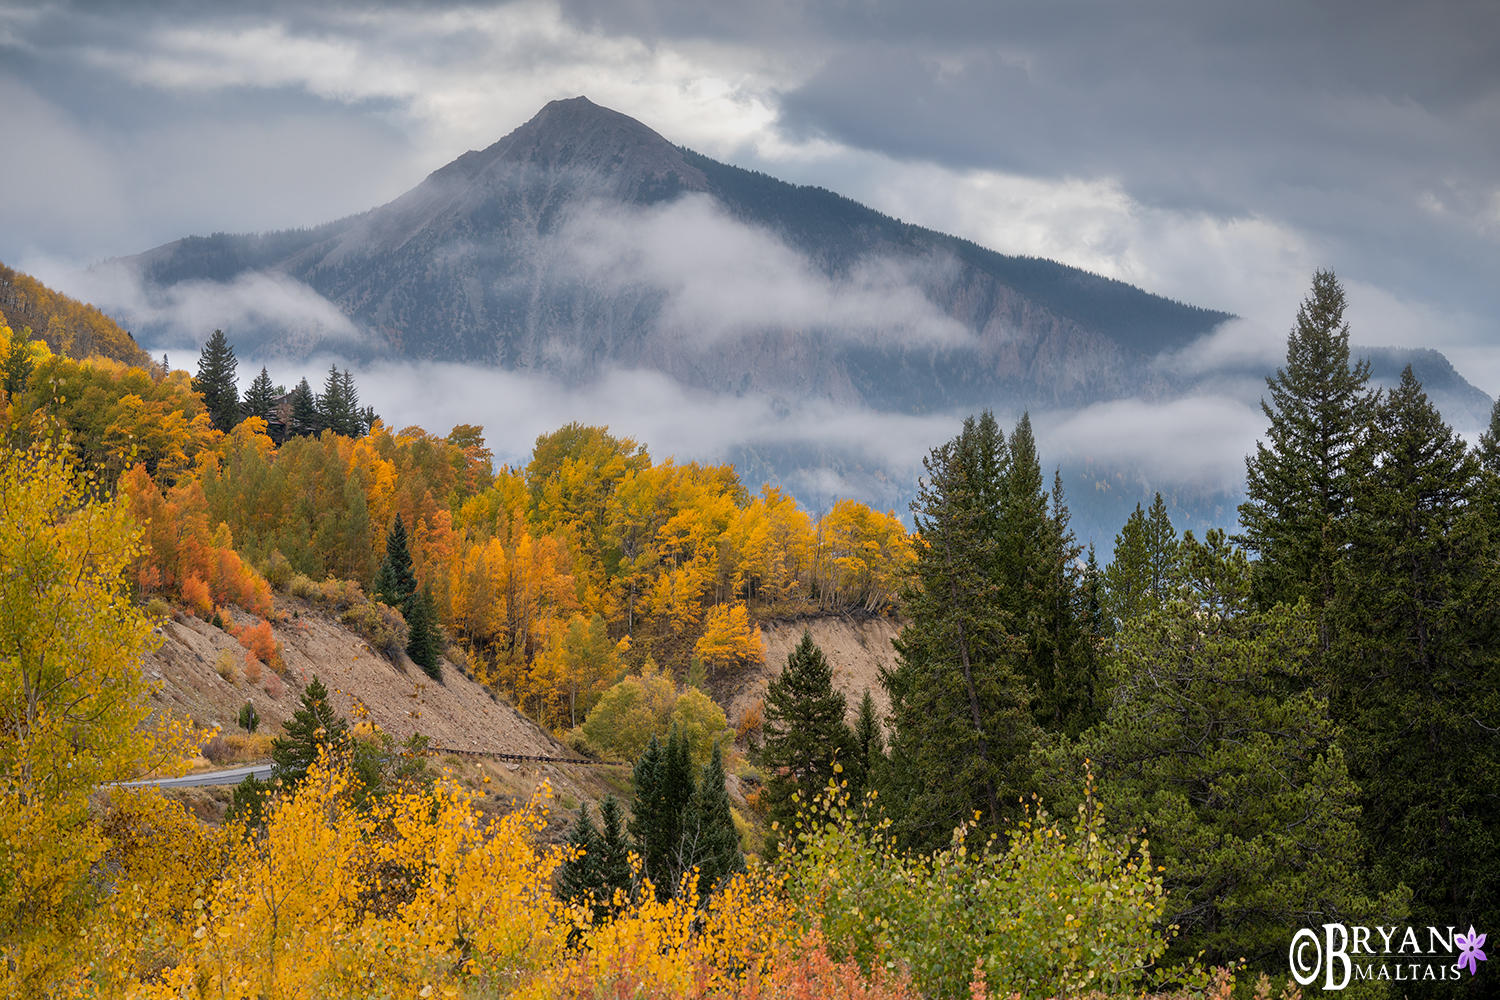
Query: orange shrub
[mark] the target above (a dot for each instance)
(252, 668)
(261, 642)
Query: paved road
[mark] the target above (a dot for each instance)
(233, 776)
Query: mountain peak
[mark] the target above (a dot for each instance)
(623, 157)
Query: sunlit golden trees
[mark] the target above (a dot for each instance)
(72, 703)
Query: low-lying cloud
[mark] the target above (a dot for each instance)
(722, 278)
(254, 307)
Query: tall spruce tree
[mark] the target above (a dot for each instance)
(395, 581)
(710, 842)
(424, 642)
(1297, 490)
(338, 405)
(1416, 683)
(959, 712)
(1489, 442)
(260, 398)
(664, 786)
(869, 747)
(313, 728)
(305, 420)
(1143, 564)
(217, 383)
(804, 734)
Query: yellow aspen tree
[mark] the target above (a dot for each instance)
(72, 704)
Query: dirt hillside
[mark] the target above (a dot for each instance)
(194, 679)
(856, 647)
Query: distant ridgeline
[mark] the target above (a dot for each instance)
(66, 325)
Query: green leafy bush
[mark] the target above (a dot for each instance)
(1059, 911)
(380, 625)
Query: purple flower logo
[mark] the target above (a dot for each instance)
(1470, 955)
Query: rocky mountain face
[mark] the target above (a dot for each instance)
(584, 242)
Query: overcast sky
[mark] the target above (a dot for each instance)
(1215, 153)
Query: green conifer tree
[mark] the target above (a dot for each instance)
(306, 421)
(424, 643)
(260, 398)
(868, 758)
(804, 735)
(1489, 442)
(711, 843)
(579, 878)
(1240, 781)
(395, 581)
(1144, 563)
(1416, 682)
(960, 723)
(217, 383)
(1297, 490)
(663, 788)
(312, 728)
(614, 851)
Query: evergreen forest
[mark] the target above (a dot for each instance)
(1101, 774)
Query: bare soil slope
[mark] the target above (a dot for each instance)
(456, 715)
(856, 647)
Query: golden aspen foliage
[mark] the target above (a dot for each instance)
(729, 641)
(72, 703)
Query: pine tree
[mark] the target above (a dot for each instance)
(312, 728)
(1489, 442)
(663, 788)
(1097, 620)
(1062, 664)
(424, 642)
(804, 734)
(217, 383)
(960, 724)
(305, 420)
(579, 878)
(1415, 678)
(260, 398)
(1297, 491)
(614, 851)
(869, 746)
(1241, 782)
(338, 406)
(1143, 565)
(395, 581)
(712, 845)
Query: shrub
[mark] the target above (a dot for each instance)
(277, 570)
(261, 641)
(226, 665)
(380, 625)
(158, 609)
(340, 594)
(1058, 912)
(217, 750)
(300, 586)
(273, 686)
(249, 718)
(252, 668)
